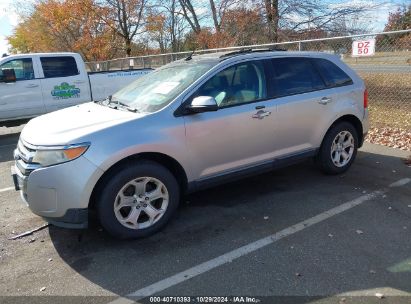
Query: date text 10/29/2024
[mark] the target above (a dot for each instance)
(204, 299)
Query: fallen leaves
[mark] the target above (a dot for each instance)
(390, 137)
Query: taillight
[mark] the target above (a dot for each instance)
(365, 98)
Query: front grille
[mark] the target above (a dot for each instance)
(23, 156)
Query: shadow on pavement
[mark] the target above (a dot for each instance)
(218, 220)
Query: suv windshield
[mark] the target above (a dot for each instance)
(157, 89)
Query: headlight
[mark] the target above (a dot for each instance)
(47, 156)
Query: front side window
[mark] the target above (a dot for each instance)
(295, 76)
(23, 68)
(241, 83)
(157, 89)
(333, 75)
(60, 66)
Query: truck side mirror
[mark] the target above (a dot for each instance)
(8, 76)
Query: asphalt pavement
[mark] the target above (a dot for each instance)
(289, 236)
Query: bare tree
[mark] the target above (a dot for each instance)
(309, 15)
(126, 18)
(190, 14)
(166, 24)
(190, 11)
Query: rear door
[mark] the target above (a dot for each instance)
(64, 82)
(22, 98)
(304, 105)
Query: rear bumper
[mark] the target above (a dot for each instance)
(365, 127)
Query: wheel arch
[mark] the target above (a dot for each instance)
(355, 121)
(165, 160)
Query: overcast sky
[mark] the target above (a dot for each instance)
(9, 19)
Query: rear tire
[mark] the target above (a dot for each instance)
(138, 200)
(338, 149)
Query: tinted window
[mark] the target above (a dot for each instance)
(238, 84)
(332, 74)
(59, 66)
(294, 76)
(23, 68)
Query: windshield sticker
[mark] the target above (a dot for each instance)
(165, 87)
(65, 91)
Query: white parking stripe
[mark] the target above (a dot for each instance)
(239, 252)
(6, 189)
(400, 182)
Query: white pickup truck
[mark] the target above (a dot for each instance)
(34, 84)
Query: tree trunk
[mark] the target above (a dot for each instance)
(128, 47)
(215, 17)
(271, 7)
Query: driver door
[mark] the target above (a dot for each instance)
(241, 132)
(22, 98)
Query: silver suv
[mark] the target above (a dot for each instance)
(188, 125)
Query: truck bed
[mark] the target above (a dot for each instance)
(105, 83)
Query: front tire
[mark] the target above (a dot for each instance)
(138, 200)
(338, 149)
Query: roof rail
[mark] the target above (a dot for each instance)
(249, 50)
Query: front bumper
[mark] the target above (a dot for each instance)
(60, 193)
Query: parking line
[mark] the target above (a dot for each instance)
(400, 182)
(244, 250)
(6, 189)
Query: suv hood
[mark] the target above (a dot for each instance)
(65, 126)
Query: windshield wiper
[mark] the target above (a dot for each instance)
(116, 104)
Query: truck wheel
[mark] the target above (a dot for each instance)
(138, 200)
(338, 149)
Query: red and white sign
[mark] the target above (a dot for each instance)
(363, 47)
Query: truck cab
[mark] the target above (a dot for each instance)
(43, 83)
(35, 84)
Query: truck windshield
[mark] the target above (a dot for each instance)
(157, 89)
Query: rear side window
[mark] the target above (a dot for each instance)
(59, 66)
(332, 74)
(295, 76)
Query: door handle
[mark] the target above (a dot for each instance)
(325, 100)
(79, 81)
(261, 114)
(32, 85)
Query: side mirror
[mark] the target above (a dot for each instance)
(202, 104)
(8, 76)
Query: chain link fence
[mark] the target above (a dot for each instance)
(387, 73)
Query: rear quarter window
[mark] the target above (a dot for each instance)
(61, 66)
(332, 74)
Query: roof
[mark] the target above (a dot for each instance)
(220, 56)
(39, 54)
